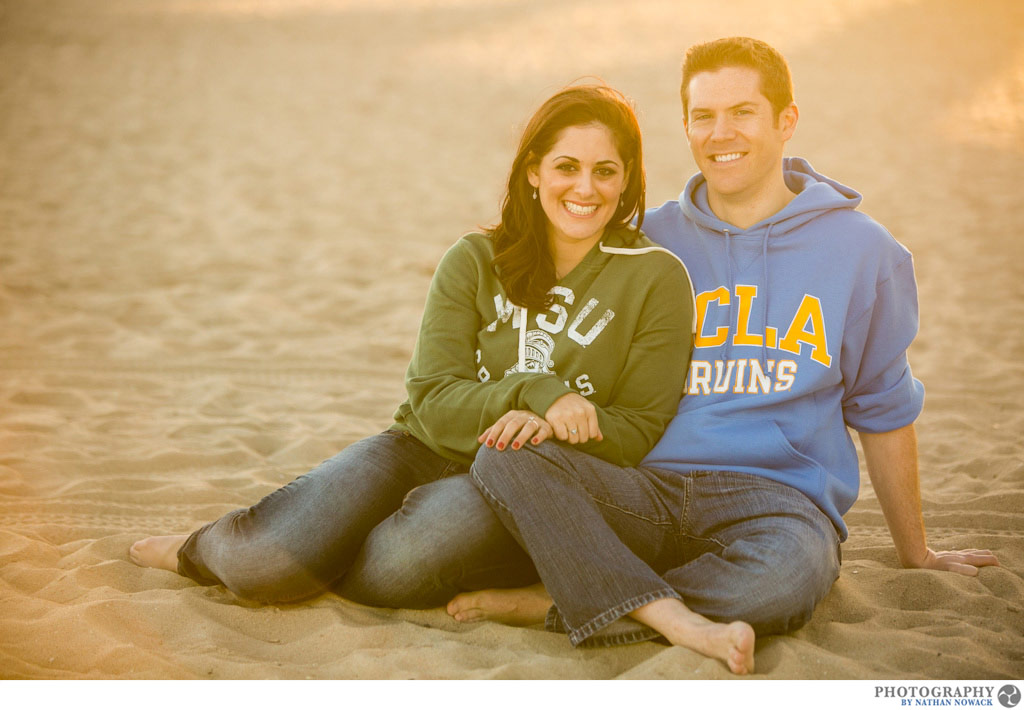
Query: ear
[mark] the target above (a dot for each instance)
(532, 176)
(686, 127)
(788, 118)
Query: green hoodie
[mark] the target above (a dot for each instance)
(619, 333)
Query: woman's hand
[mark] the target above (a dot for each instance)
(516, 427)
(573, 419)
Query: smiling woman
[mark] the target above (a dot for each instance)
(579, 183)
(562, 322)
(581, 151)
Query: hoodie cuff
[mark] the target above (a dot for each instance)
(539, 395)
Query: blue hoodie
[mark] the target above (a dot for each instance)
(803, 323)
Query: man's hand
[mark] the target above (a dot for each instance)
(964, 562)
(892, 465)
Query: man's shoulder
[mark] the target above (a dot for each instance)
(858, 231)
(667, 225)
(669, 212)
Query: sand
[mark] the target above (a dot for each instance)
(218, 221)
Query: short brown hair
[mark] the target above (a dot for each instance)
(522, 261)
(771, 66)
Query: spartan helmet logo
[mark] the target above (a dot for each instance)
(539, 346)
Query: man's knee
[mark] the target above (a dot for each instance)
(772, 580)
(794, 579)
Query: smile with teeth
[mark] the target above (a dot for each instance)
(580, 210)
(726, 157)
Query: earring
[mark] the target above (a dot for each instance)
(535, 193)
(622, 201)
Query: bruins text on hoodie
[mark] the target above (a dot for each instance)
(803, 323)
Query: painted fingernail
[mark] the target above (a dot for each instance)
(490, 442)
(515, 444)
(536, 440)
(501, 446)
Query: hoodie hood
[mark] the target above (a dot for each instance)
(815, 195)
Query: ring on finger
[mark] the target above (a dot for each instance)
(573, 432)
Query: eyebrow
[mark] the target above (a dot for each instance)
(576, 160)
(728, 108)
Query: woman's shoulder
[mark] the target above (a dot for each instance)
(642, 253)
(471, 248)
(472, 245)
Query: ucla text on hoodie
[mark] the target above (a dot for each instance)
(802, 327)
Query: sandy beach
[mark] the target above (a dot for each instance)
(218, 222)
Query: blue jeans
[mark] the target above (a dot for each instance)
(333, 528)
(607, 540)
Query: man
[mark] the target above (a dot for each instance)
(805, 311)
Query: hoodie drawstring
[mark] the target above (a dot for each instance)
(523, 311)
(731, 286)
(764, 298)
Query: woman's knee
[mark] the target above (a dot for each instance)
(255, 566)
(417, 557)
(502, 473)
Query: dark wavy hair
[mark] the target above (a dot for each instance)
(522, 260)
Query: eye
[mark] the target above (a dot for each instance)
(744, 112)
(606, 172)
(566, 167)
(701, 117)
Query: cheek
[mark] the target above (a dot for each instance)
(552, 183)
(613, 189)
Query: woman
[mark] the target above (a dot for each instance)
(562, 321)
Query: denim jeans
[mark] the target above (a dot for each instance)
(302, 539)
(607, 540)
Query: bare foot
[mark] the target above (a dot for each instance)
(160, 551)
(524, 606)
(732, 643)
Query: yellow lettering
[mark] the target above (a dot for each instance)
(810, 310)
(746, 294)
(720, 294)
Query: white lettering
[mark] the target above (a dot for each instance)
(720, 384)
(700, 377)
(595, 330)
(785, 375)
(584, 386)
(758, 379)
(558, 309)
(504, 309)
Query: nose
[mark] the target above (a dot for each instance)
(585, 184)
(722, 128)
